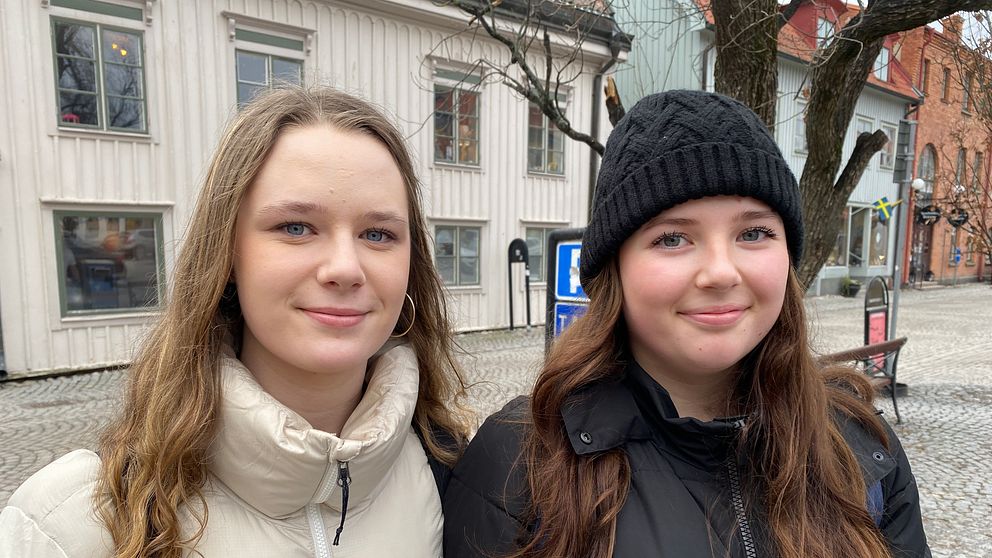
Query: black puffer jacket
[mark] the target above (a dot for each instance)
(686, 494)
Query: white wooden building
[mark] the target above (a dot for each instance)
(114, 107)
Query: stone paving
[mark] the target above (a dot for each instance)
(947, 415)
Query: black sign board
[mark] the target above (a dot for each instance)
(876, 311)
(517, 253)
(957, 217)
(928, 215)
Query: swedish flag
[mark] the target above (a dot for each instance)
(884, 209)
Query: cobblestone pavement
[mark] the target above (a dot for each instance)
(947, 415)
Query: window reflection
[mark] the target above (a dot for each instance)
(108, 262)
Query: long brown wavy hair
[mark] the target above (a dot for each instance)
(154, 454)
(812, 485)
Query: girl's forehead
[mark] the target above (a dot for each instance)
(712, 207)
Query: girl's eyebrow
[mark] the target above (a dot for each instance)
(290, 206)
(756, 215)
(385, 216)
(676, 221)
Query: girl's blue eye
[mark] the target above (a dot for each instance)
(752, 235)
(295, 229)
(379, 235)
(670, 240)
(756, 234)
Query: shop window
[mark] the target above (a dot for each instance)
(878, 243)
(99, 76)
(456, 253)
(856, 246)
(838, 254)
(108, 262)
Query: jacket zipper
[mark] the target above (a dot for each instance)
(737, 497)
(317, 532)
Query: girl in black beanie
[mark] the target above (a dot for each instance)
(684, 415)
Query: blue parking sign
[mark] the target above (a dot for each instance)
(566, 313)
(567, 285)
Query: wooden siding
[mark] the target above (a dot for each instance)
(190, 92)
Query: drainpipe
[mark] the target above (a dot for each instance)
(597, 103)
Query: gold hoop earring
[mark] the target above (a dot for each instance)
(413, 319)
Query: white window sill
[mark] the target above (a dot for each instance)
(441, 165)
(106, 134)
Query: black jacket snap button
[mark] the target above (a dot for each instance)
(878, 456)
(585, 437)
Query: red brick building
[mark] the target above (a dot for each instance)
(952, 157)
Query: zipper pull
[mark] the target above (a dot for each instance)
(739, 423)
(344, 481)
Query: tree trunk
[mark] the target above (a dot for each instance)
(747, 54)
(747, 66)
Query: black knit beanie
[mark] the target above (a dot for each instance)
(677, 146)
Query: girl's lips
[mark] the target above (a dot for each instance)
(715, 318)
(335, 320)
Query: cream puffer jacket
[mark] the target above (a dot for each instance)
(273, 488)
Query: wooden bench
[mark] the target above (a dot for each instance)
(878, 361)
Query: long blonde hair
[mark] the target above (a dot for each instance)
(807, 470)
(154, 454)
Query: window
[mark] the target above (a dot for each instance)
(927, 171)
(824, 31)
(977, 169)
(545, 143)
(108, 262)
(537, 239)
(99, 75)
(966, 93)
(970, 248)
(878, 243)
(456, 118)
(799, 140)
(838, 254)
(456, 252)
(887, 157)
(945, 94)
(863, 125)
(259, 72)
(960, 172)
(925, 81)
(856, 248)
(882, 64)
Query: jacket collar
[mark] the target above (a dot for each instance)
(608, 414)
(276, 462)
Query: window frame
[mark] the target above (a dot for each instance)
(860, 119)
(945, 93)
(799, 129)
(546, 130)
(102, 97)
(966, 93)
(546, 229)
(880, 68)
(458, 82)
(887, 156)
(456, 256)
(158, 218)
(925, 78)
(823, 35)
(978, 161)
(269, 76)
